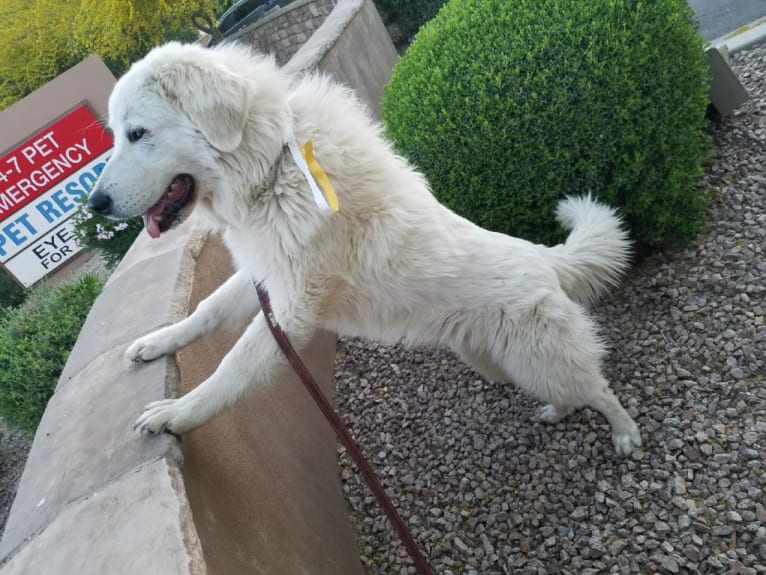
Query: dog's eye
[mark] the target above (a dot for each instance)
(136, 134)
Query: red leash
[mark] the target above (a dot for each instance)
(341, 431)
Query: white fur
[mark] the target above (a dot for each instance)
(392, 265)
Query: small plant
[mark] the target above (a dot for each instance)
(35, 341)
(112, 238)
(509, 106)
(11, 293)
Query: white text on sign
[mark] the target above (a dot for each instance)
(25, 226)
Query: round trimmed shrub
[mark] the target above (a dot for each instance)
(508, 106)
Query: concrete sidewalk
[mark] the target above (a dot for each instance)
(719, 18)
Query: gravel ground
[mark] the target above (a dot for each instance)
(14, 448)
(488, 488)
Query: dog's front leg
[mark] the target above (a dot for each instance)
(252, 362)
(234, 301)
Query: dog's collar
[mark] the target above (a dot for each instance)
(303, 155)
(324, 198)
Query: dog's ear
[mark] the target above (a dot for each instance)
(214, 99)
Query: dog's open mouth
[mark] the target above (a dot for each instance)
(162, 215)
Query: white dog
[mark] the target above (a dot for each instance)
(208, 129)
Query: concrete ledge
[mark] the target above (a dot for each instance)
(283, 30)
(744, 37)
(321, 42)
(85, 441)
(353, 46)
(726, 91)
(149, 289)
(139, 523)
(257, 489)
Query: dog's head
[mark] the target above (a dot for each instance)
(174, 115)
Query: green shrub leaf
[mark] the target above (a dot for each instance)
(35, 341)
(509, 106)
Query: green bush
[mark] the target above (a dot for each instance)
(509, 106)
(35, 341)
(11, 293)
(112, 238)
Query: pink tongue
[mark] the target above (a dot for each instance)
(151, 224)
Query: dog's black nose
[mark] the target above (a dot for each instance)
(99, 202)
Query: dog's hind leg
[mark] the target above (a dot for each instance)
(483, 363)
(552, 413)
(593, 391)
(234, 301)
(625, 433)
(554, 354)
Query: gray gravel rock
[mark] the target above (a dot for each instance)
(14, 448)
(486, 487)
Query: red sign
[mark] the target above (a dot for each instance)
(48, 157)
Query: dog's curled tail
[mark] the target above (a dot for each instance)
(597, 251)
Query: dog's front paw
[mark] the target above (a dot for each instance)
(167, 415)
(149, 348)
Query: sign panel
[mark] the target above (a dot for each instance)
(42, 181)
(23, 227)
(45, 255)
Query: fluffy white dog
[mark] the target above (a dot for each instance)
(208, 129)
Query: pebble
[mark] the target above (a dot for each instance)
(488, 488)
(580, 513)
(670, 565)
(459, 545)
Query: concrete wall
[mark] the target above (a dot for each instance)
(285, 30)
(262, 480)
(255, 491)
(354, 47)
